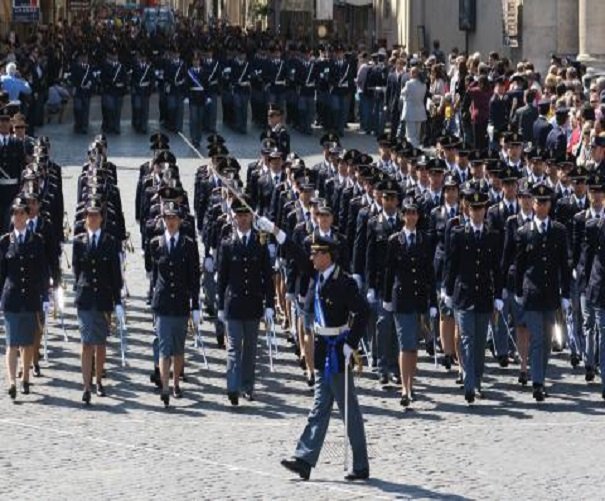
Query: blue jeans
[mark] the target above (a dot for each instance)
(540, 325)
(590, 333)
(473, 335)
(306, 112)
(241, 355)
(386, 340)
(196, 113)
(326, 391)
(240, 111)
(599, 314)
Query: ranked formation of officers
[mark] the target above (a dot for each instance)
(359, 256)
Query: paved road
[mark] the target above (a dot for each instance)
(127, 446)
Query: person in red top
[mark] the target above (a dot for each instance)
(478, 97)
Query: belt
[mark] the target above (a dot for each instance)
(329, 331)
(8, 182)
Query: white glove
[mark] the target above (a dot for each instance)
(449, 302)
(387, 306)
(45, 307)
(371, 296)
(196, 317)
(272, 250)
(347, 351)
(565, 304)
(443, 294)
(301, 298)
(269, 314)
(499, 304)
(290, 296)
(358, 280)
(265, 224)
(120, 313)
(221, 315)
(209, 264)
(504, 294)
(574, 274)
(433, 312)
(519, 300)
(280, 237)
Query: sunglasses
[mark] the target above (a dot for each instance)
(19, 127)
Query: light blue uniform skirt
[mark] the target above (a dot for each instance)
(20, 328)
(94, 326)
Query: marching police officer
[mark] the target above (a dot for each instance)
(542, 281)
(473, 287)
(142, 85)
(245, 295)
(24, 282)
(82, 78)
(176, 287)
(12, 162)
(98, 285)
(409, 291)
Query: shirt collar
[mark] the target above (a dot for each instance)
(17, 233)
(594, 213)
(408, 233)
(327, 272)
(168, 237)
(94, 233)
(539, 223)
(476, 228)
(324, 234)
(524, 216)
(241, 235)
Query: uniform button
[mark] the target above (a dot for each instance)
(245, 270)
(22, 269)
(23, 279)
(172, 296)
(245, 281)
(169, 263)
(94, 280)
(171, 284)
(21, 258)
(415, 293)
(543, 258)
(245, 259)
(94, 270)
(478, 262)
(415, 281)
(413, 270)
(476, 275)
(93, 261)
(476, 287)
(413, 259)
(95, 289)
(22, 291)
(544, 246)
(172, 274)
(546, 272)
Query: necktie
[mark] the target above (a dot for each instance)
(543, 226)
(436, 199)
(597, 216)
(30, 226)
(412, 239)
(276, 179)
(511, 209)
(391, 221)
(20, 238)
(321, 280)
(462, 176)
(244, 240)
(172, 242)
(477, 234)
(94, 241)
(452, 212)
(527, 219)
(307, 215)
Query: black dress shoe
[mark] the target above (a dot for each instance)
(503, 360)
(538, 393)
(459, 379)
(311, 381)
(156, 379)
(523, 378)
(233, 398)
(405, 401)
(165, 397)
(177, 392)
(469, 396)
(100, 390)
(12, 391)
(86, 397)
(447, 362)
(396, 378)
(25, 387)
(357, 475)
(36, 370)
(220, 342)
(430, 349)
(248, 396)
(384, 380)
(302, 363)
(297, 466)
(413, 396)
(590, 374)
(575, 360)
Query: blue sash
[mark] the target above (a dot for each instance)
(331, 362)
